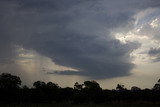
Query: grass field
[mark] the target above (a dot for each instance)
(79, 105)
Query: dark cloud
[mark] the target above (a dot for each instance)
(155, 52)
(74, 33)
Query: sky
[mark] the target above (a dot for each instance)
(67, 41)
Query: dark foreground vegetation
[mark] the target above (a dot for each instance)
(80, 105)
(88, 93)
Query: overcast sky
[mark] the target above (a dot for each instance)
(64, 41)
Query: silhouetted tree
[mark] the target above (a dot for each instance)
(120, 87)
(78, 86)
(135, 88)
(8, 81)
(89, 92)
(157, 85)
(9, 87)
(91, 85)
(25, 87)
(51, 85)
(39, 84)
(93, 92)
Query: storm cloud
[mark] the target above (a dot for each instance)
(73, 33)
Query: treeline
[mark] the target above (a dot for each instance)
(11, 91)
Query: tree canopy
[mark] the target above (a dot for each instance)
(8, 81)
(88, 92)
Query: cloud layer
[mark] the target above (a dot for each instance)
(73, 33)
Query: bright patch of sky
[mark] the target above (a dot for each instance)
(146, 28)
(146, 21)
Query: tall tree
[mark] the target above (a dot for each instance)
(8, 81)
(91, 85)
(39, 84)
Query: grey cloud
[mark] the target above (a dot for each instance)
(73, 33)
(156, 53)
